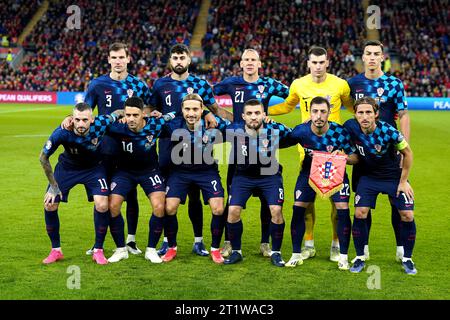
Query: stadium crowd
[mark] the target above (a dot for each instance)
(419, 34)
(66, 60)
(15, 16)
(283, 32)
(60, 59)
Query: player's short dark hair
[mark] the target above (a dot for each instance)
(116, 46)
(317, 51)
(192, 96)
(82, 106)
(366, 100)
(252, 102)
(320, 100)
(135, 102)
(180, 48)
(373, 43)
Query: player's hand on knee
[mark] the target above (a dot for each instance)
(405, 187)
(67, 123)
(51, 195)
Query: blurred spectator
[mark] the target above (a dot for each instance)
(15, 14)
(60, 59)
(419, 33)
(283, 32)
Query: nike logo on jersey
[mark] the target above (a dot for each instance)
(107, 91)
(239, 88)
(166, 92)
(359, 90)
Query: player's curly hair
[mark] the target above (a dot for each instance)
(180, 48)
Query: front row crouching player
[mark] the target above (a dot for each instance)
(138, 164)
(78, 164)
(254, 144)
(377, 143)
(320, 135)
(193, 165)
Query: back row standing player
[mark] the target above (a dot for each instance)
(318, 83)
(389, 93)
(242, 89)
(108, 93)
(167, 96)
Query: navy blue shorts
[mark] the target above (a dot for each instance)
(93, 179)
(369, 188)
(123, 182)
(304, 193)
(242, 187)
(180, 183)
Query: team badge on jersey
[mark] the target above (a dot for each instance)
(205, 139)
(330, 148)
(94, 141)
(261, 88)
(130, 93)
(150, 142)
(377, 148)
(380, 91)
(48, 145)
(190, 90)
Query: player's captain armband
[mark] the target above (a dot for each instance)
(327, 173)
(402, 145)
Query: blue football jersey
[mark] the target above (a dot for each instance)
(193, 150)
(387, 90)
(336, 138)
(168, 93)
(80, 152)
(109, 95)
(137, 149)
(255, 155)
(241, 91)
(378, 151)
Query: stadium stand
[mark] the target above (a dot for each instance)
(419, 35)
(15, 15)
(60, 59)
(283, 31)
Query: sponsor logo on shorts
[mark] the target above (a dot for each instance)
(298, 193)
(113, 186)
(48, 145)
(357, 198)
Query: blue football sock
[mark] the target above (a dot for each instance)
(276, 232)
(297, 228)
(235, 231)
(171, 230)
(155, 229)
(266, 217)
(132, 211)
(216, 230)
(101, 222)
(117, 226)
(344, 226)
(195, 211)
(52, 226)
(396, 224)
(359, 233)
(408, 237)
(369, 225)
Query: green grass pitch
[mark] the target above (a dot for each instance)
(23, 132)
